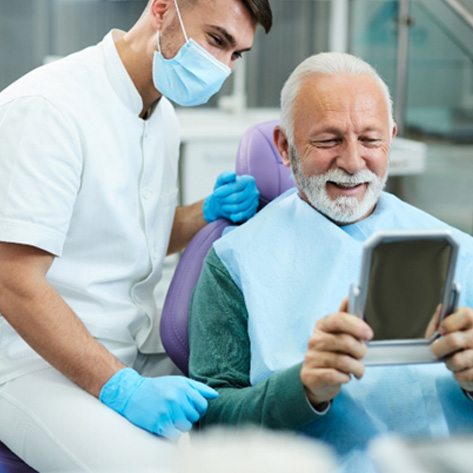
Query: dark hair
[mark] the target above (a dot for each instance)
(261, 11)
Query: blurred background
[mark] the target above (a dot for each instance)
(422, 48)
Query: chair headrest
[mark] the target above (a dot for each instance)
(258, 156)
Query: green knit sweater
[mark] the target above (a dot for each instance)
(220, 357)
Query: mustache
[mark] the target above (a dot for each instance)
(335, 175)
(339, 176)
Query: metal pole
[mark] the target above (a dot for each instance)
(402, 64)
(339, 22)
(461, 10)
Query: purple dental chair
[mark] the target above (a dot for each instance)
(258, 157)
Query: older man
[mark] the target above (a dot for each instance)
(88, 174)
(265, 285)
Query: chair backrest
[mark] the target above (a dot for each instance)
(258, 157)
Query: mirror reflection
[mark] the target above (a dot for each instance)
(406, 288)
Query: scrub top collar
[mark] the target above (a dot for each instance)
(118, 75)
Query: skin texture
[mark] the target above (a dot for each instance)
(342, 121)
(34, 309)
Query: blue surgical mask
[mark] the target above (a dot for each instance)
(192, 76)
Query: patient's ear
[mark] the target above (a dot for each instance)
(282, 144)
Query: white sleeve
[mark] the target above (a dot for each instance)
(40, 173)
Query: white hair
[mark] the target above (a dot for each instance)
(325, 63)
(253, 450)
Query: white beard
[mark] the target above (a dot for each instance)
(343, 209)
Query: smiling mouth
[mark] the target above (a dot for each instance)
(344, 185)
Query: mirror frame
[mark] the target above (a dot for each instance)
(387, 352)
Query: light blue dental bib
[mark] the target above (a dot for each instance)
(294, 266)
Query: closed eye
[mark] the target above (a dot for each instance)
(326, 143)
(373, 142)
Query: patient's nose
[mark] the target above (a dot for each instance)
(350, 158)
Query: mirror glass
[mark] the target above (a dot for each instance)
(406, 286)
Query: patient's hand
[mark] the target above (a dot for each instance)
(335, 352)
(455, 346)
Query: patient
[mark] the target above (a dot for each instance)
(260, 333)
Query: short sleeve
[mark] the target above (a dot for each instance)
(40, 173)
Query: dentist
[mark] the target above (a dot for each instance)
(88, 190)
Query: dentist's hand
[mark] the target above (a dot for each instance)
(234, 198)
(455, 346)
(165, 406)
(335, 353)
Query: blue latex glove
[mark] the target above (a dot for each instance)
(165, 406)
(234, 198)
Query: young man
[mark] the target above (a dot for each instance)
(88, 172)
(259, 330)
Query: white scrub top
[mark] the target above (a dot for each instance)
(84, 178)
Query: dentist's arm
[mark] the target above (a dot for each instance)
(188, 221)
(164, 406)
(234, 198)
(43, 319)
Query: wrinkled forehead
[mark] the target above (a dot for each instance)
(341, 91)
(339, 96)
